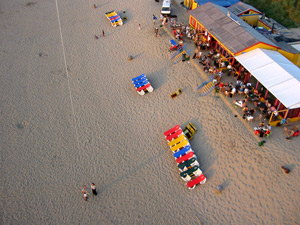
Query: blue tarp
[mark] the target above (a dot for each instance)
(224, 3)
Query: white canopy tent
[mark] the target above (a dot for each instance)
(276, 73)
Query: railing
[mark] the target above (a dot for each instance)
(275, 122)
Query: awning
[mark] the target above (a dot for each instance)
(276, 73)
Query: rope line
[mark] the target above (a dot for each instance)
(68, 79)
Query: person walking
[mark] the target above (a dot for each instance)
(196, 53)
(165, 21)
(154, 19)
(84, 192)
(93, 187)
(161, 18)
(102, 32)
(156, 32)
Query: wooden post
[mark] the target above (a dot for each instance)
(278, 106)
(276, 102)
(266, 94)
(287, 112)
(233, 61)
(256, 87)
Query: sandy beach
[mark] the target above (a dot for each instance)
(70, 116)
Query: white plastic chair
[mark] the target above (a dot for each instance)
(141, 92)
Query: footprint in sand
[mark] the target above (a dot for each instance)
(41, 54)
(56, 161)
(259, 158)
(30, 4)
(23, 124)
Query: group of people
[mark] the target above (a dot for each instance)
(248, 113)
(180, 29)
(209, 62)
(98, 36)
(190, 33)
(262, 130)
(263, 105)
(290, 132)
(177, 34)
(156, 28)
(240, 88)
(85, 192)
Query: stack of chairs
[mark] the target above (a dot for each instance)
(142, 84)
(114, 18)
(184, 156)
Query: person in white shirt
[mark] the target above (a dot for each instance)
(233, 91)
(85, 193)
(93, 187)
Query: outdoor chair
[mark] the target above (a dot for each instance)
(188, 164)
(185, 176)
(249, 118)
(192, 172)
(180, 145)
(185, 157)
(172, 130)
(177, 140)
(182, 152)
(174, 135)
(199, 180)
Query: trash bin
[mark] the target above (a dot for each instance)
(183, 57)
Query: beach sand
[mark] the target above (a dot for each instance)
(66, 125)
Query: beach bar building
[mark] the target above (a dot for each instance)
(246, 12)
(281, 79)
(227, 33)
(232, 37)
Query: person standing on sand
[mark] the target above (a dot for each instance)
(84, 192)
(156, 32)
(94, 191)
(161, 18)
(154, 19)
(102, 32)
(140, 27)
(165, 21)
